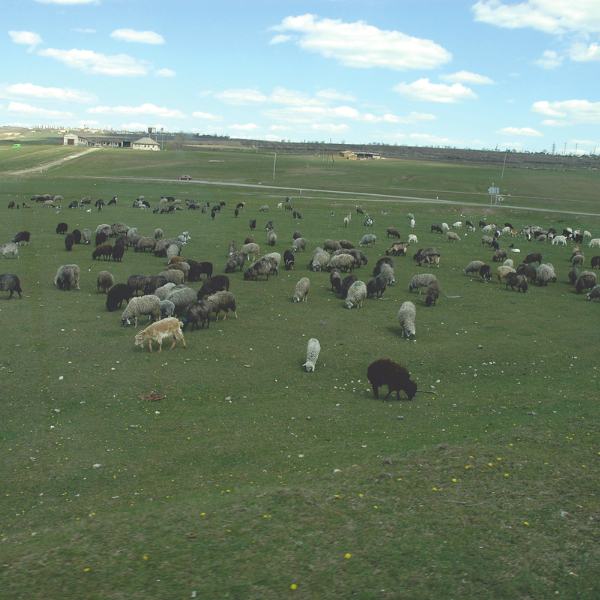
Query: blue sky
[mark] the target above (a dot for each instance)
(522, 75)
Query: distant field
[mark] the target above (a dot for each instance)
(252, 475)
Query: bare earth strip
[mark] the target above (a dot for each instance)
(353, 196)
(53, 163)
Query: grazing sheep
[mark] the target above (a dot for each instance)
(346, 244)
(586, 280)
(275, 259)
(502, 272)
(413, 239)
(320, 260)
(296, 235)
(473, 267)
(172, 250)
(302, 289)
(222, 301)
(104, 250)
(299, 244)
(249, 249)
(167, 309)
(384, 260)
(485, 272)
(397, 248)
(218, 283)
(137, 283)
(182, 298)
(62, 228)
(153, 283)
(509, 262)
(412, 223)
(145, 243)
(542, 238)
(197, 314)
(577, 260)
(368, 240)
(343, 262)
(172, 276)
(346, 221)
(533, 257)
(595, 262)
(331, 245)
(420, 281)
(197, 269)
(158, 234)
(487, 240)
(159, 331)
(445, 226)
(264, 208)
(559, 239)
(572, 275)
(105, 281)
(388, 272)
(252, 224)
(528, 270)
(346, 284)
(66, 276)
(499, 255)
(9, 249)
(406, 319)
(436, 229)
(163, 291)
(237, 259)
(232, 246)
(118, 229)
(141, 305)
(297, 214)
(356, 294)
(271, 238)
(180, 266)
(545, 274)
(118, 252)
(116, 295)
(427, 255)
(258, 267)
(377, 286)
(595, 293)
(393, 232)
(335, 279)
(434, 289)
(457, 225)
(595, 243)
(10, 283)
(452, 236)
(520, 281)
(313, 349)
(288, 260)
(22, 237)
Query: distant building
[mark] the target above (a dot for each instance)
(70, 139)
(111, 141)
(145, 143)
(356, 155)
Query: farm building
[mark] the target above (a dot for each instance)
(111, 141)
(353, 155)
(145, 143)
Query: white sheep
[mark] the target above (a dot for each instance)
(452, 236)
(546, 273)
(299, 244)
(457, 225)
(595, 293)
(419, 281)
(141, 305)
(356, 294)
(182, 298)
(473, 267)
(312, 354)
(343, 262)
(509, 263)
(302, 289)
(67, 275)
(9, 249)
(559, 239)
(250, 249)
(388, 272)
(413, 239)
(280, 205)
(320, 259)
(163, 291)
(173, 276)
(406, 319)
(346, 221)
(595, 243)
(586, 233)
(412, 223)
(503, 271)
(445, 226)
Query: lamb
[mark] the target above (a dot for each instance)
(356, 295)
(546, 273)
(452, 236)
(176, 277)
(249, 249)
(412, 223)
(320, 260)
(237, 259)
(436, 229)
(163, 291)
(586, 280)
(232, 246)
(413, 239)
(222, 301)
(104, 250)
(485, 272)
(87, 236)
(116, 295)
(299, 244)
(419, 281)
(445, 226)
(10, 249)
(406, 319)
(368, 240)
(297, 214)
(10, 283)
(22, 237)
(137, 283)
(167, 309)
(288, 260)
(264, 208)
(393, 232)
(457, 225)
(142, 305)
(502, 272)
(313, 349)
(397, 248)
(105, 281)
(377, 286)
(434, 289)
(196, 314)
(343, 262)
(559, 239)
(182, 298)
(387, 372)
(296, 235)
(474, 267)
(595, 293)
(159, 331)
(520, 281)
(66, 276)
(335, 278)
(145, 243)
(595, 243)
(302, 289)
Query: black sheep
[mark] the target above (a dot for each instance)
(252, 223)
(10, 283)
(153, 283)
(485, 272)
(101, 237)
(196, 314)
(436, 229)
(218, 283)
(24, 237)
(118, 252)
(377, 286)
(62, 228)
(533, 257)
(387, 372)
(346, 283)
(116, 295)
(335, 278)
(384, 259)
(77, 236)
(69, 241)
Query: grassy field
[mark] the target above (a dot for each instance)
(255, 479)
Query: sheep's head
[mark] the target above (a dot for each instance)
(125, 322)
(310, 366)
(140, 338)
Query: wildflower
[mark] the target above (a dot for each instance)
(348, 555)
(293, 586)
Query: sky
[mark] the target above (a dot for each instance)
(481, 74)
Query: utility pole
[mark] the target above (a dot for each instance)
(274, 164)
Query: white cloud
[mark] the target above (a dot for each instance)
(119, 65)
(580, 111)
(413, 117)
(81, 30)
(549, 60)
(281, 128)
(551, 16)
(241, 97)
(583, 53)
(203, 115)
(165, 73)
(310, 114)
(27, 109)
(520, 131)
(279, 39)
(554, 123)
(423, 90)
(330, 127)
(139, 37)
(144, 109)
(246, 127)
(466, 77)
(46, 93)
(27, 38)
(291, 98)
(68, 2)
(364, 46)
(429, 139)
(331, 94)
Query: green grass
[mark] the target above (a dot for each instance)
(256, 475)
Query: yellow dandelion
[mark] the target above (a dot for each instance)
(454, 481)
(145, 557)
(293, 586)
(490, 464)
(526, 523)
(505, 474)
(468, 467)
(87, 569)
(434, 489)
(348, 555)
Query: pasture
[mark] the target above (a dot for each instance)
(255, 479)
